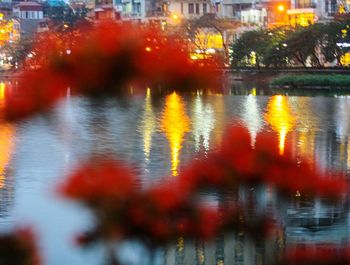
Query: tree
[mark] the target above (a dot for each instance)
(333, 34)
(302, 43)
(224, 27)
(64, 16)
(276, 53)
(18, 51)
(250, 48)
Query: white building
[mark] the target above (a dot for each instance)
(30, 16)
(28, 10)
(133, 9)
(189, 9)
(254, 16)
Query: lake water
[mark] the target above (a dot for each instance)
(158, 136)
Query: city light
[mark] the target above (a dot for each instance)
(281, 8)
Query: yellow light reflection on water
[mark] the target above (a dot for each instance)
(175, 124)
(280, 117)
(7, 132)
(148, 125)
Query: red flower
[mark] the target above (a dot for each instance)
(205, 173)
(99, 181)
(167, 197)
(19, 248)
(38, 91)
(317, 255)
(236, 142)
(208, 224)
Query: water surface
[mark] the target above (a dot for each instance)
(158, 136)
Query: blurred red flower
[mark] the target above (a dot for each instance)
(100, 181)
(105, 59)
(19, 248)
(316, 255)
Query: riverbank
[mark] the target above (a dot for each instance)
(313, 81)
(9, 74)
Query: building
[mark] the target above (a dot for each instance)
(190, 9)
(254, 16)
(30, 16)
(306, 12)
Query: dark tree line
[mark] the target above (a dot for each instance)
(318, 45)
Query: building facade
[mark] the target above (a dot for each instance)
(189, 9)
(30, 16)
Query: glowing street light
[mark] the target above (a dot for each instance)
(280, 8)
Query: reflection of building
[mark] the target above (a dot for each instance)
(30, 16)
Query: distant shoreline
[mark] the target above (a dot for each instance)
(10, 74)
(288, 70)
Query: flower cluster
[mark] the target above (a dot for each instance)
(106, 59)
(19, 248)
(157, 215)
(236, 162)
(317, 255)
(173, 209)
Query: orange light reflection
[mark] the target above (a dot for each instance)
(7, 132)
(175, 124)
(280, 118)
(6, 146)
